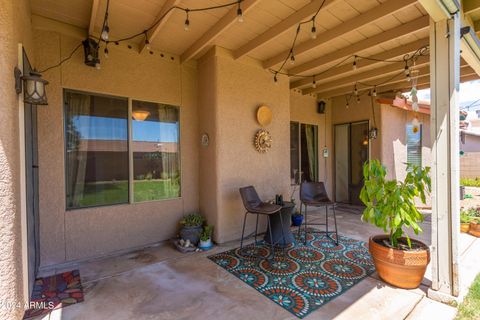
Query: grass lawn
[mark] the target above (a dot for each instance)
(470, 307)
(97, 194)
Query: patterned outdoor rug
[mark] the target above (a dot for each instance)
(305, 277)
(55, 292)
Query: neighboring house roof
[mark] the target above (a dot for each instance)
(119, 146)
(424, 106)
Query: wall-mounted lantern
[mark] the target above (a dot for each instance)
(34, 87)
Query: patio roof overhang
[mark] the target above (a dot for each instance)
(379, 32)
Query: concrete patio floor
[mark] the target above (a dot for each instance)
(159, 282)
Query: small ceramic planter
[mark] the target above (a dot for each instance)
(205, 245)
(474, 229)
(191, 233)
(297, 220)
(464, 227)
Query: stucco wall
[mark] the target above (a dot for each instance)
(303, 109)
(14, 29)
(240, 87)
(78, 234)
(470, 165)
(394, 135)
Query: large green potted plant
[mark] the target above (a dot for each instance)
(390, 205)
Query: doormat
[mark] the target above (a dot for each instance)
(55, 292)
(305, 277)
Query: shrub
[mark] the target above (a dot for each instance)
(470, 182)
(192, 220)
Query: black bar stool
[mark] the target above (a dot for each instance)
(313, 194)
(253, 205)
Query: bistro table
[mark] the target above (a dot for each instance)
(286, 214)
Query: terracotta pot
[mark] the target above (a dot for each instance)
(403, 269)
(474, 229)
(464, 227)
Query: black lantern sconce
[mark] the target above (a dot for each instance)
(90, 49)
(373, 133)
(34, 87)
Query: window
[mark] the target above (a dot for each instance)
(414, 145)
(98, 155)
(155, 144)
(303, 152)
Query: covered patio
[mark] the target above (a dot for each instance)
(162, 283)
(153, 114)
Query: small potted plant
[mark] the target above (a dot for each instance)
(206, 237)
(297, 219)
(390, 205)
(465, 219)
(191, 227)
(475, 223)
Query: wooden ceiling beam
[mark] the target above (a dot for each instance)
(164, 12)
(362, 63)
(470, 6)
(422, 78)
(382, 72)
(292, 20)
(405, 29)
(353, 24)
(93, 16)
(208, 37)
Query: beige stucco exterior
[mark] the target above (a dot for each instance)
(239, 88)
(14, 29)
(85, 233)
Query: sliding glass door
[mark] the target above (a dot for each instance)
(351, 152)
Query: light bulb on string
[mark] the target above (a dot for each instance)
(407, 68)
(354, 66)
(105, 31)
(105, 52)
(374, 92)
(355, 90)
(98, 66)
(358, 99)
(186, 25)
(275, 79)
(239, 13)
(314, 83)
(313, 31)
(292, 58)
(147, 42)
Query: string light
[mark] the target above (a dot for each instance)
(313, 31)
(374, 92)
(186, 25)
(292, 58)
(354, 66)
(239, 13)
(355, 90)
(275, 79)
(358, 99)
(105, 52)
(105, 28)
(314, 83)
(147, 42)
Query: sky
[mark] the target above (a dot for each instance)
(469, 94)
(102, 128)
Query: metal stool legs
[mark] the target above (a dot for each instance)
(327, 233)
(272, 244)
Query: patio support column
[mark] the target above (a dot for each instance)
(445, 78)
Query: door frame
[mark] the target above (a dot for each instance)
(24, 212)
(349, 155)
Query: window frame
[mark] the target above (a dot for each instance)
(408, 127)
(129, 151)
(299, 141)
